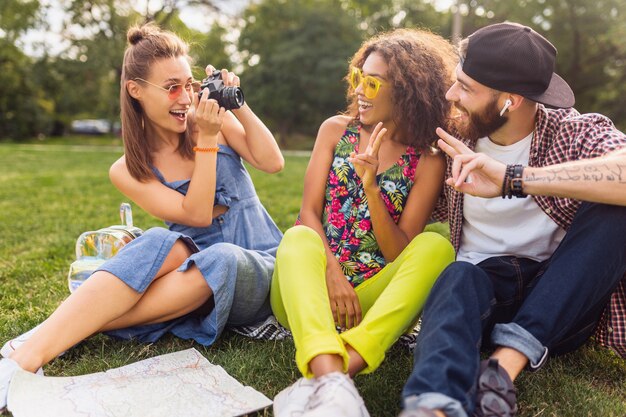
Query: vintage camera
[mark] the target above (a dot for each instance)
(227, 97)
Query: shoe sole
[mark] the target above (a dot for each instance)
(494, 386)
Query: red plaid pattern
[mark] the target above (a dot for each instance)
(561, 135)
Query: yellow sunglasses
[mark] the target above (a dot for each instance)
(370, 84)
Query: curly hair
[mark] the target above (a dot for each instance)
(421, 69)
(147, 44)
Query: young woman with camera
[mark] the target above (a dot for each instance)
(212, 266)
(359, 260)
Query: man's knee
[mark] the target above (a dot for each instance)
(461, 275)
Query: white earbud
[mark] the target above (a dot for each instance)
(507, 103)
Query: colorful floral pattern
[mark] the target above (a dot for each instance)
(346, 216)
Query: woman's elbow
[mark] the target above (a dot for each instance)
(278, 166)
(274, 166)
(198, 219)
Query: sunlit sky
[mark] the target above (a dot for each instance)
(35, 41)
(52, 40)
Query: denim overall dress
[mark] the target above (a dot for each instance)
(235, 254)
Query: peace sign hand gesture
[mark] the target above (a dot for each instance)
(473, 173)
(366, 164)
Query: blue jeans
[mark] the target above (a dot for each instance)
(534, 307)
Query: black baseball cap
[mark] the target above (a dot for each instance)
(514, 58)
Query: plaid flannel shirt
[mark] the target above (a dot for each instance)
(561, 135)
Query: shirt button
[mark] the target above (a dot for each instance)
(548, 211)
(609, 329)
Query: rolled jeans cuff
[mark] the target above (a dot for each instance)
(514, 336)
(435, 401)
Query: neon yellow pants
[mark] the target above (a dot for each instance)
(390, 300)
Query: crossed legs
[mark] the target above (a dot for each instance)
(111, 304)
(390, 301)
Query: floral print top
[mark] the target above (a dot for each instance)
(346, 216)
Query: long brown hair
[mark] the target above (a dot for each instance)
(421, 67)
(146, 44)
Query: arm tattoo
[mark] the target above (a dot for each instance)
(602, 173)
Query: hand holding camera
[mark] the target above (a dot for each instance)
(223, 86)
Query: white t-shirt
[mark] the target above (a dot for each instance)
(500, 227)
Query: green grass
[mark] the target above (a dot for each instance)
(50, 194)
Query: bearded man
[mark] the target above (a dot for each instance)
(533, 275)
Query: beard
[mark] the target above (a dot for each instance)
(481, 124)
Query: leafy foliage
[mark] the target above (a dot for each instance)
(210, 49)
(296, 56)
(382, 15)
(24, 109)
(291, 55)
(17, 16)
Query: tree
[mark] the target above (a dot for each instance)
(16, 17)
(25, 110)
(382, 15)
(592, 55)
(95, 56)
(296, 54)
(210, 48)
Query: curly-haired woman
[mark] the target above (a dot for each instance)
(358, 258)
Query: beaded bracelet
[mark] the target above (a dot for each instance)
(199, 149)
(506, 182)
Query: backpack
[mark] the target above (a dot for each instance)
(93, 248)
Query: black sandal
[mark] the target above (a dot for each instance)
(496, 393)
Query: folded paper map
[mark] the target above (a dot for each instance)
(181, 384)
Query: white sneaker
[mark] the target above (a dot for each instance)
(12, 345)
(292, 401)
(8, 367)
(335, 395)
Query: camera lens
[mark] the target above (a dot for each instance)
(232, 97)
